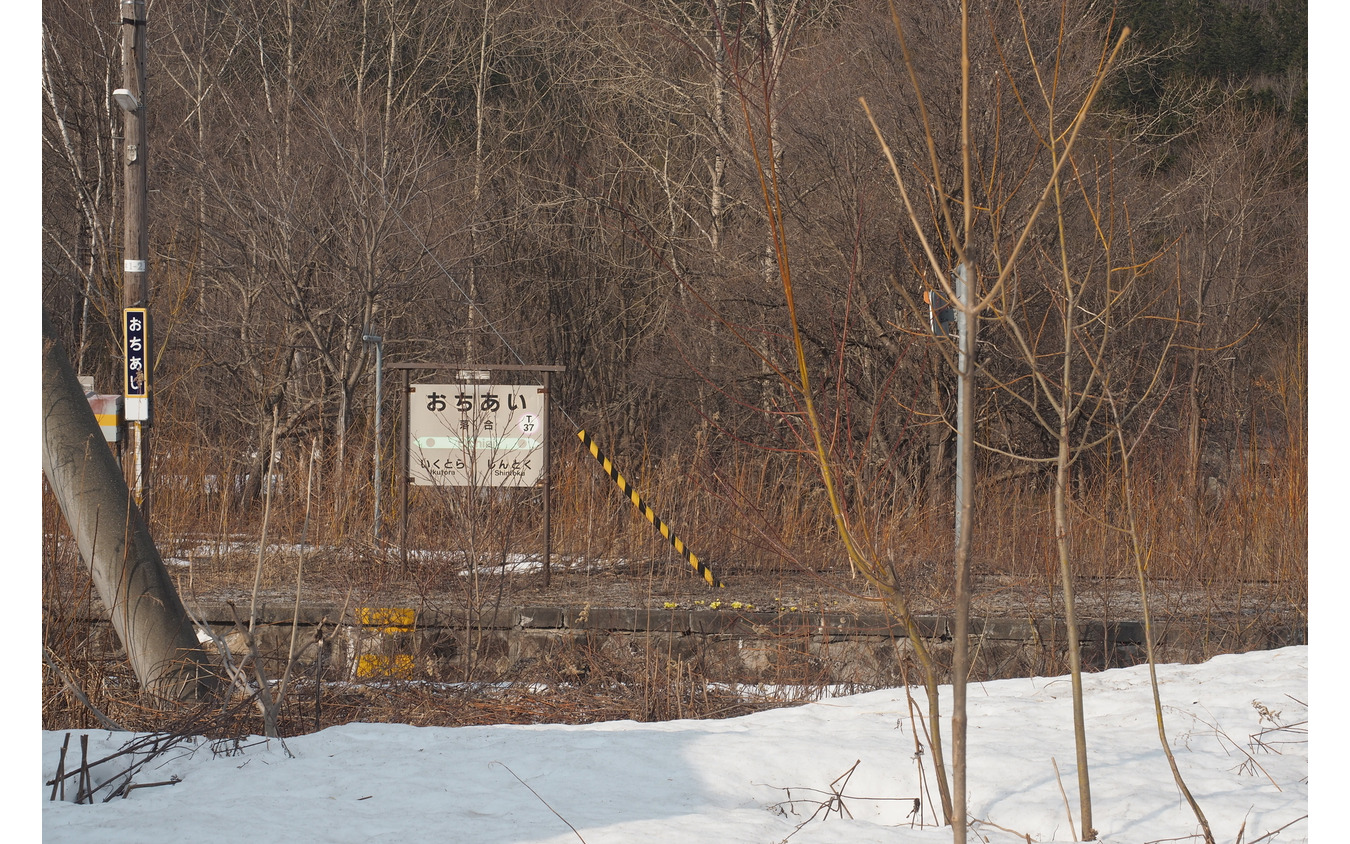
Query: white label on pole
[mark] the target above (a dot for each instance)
(133, 266)
(137, 409)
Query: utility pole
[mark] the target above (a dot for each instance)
(370, 337)
(137, 337)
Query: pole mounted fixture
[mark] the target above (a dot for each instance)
(126, 100)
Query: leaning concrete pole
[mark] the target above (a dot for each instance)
(113, 540)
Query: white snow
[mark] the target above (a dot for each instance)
(1237, 724)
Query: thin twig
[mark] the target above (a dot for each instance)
(984, 822)
(1140, 565)
(82, 787)
(130, 787)
(916, 717)
(1275, 832)
(267, 515)
(291, 655)
(542, 800)
(1064, 795)
(60, 780)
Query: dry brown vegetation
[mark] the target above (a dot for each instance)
(1241, 562)
(580, 189)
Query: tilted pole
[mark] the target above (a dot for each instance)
(114, 542)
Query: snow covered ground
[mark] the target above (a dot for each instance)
(839, 770)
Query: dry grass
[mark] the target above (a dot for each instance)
(756, 515)
(761, 512)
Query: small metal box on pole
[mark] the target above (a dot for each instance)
(941, 314)
(108, 413)
(107, 410)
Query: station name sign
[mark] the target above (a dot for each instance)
(136, 374)
(477, 435)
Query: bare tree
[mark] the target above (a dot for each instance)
(1003, 243)
(79, 173)
(1240, 215)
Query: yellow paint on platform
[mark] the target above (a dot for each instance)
(388, 619)
(373, 665)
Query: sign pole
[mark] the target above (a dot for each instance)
(548, 477)
(130, 98)
(403, 476)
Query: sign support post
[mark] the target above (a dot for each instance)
(548, 480)
(403, 474)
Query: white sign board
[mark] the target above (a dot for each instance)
(476, 434)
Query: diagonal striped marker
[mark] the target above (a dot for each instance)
(703, 571)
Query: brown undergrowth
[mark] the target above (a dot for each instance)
(1236, 557)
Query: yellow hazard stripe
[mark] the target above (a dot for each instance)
(632, 494)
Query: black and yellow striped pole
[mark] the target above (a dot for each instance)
(703, 571)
